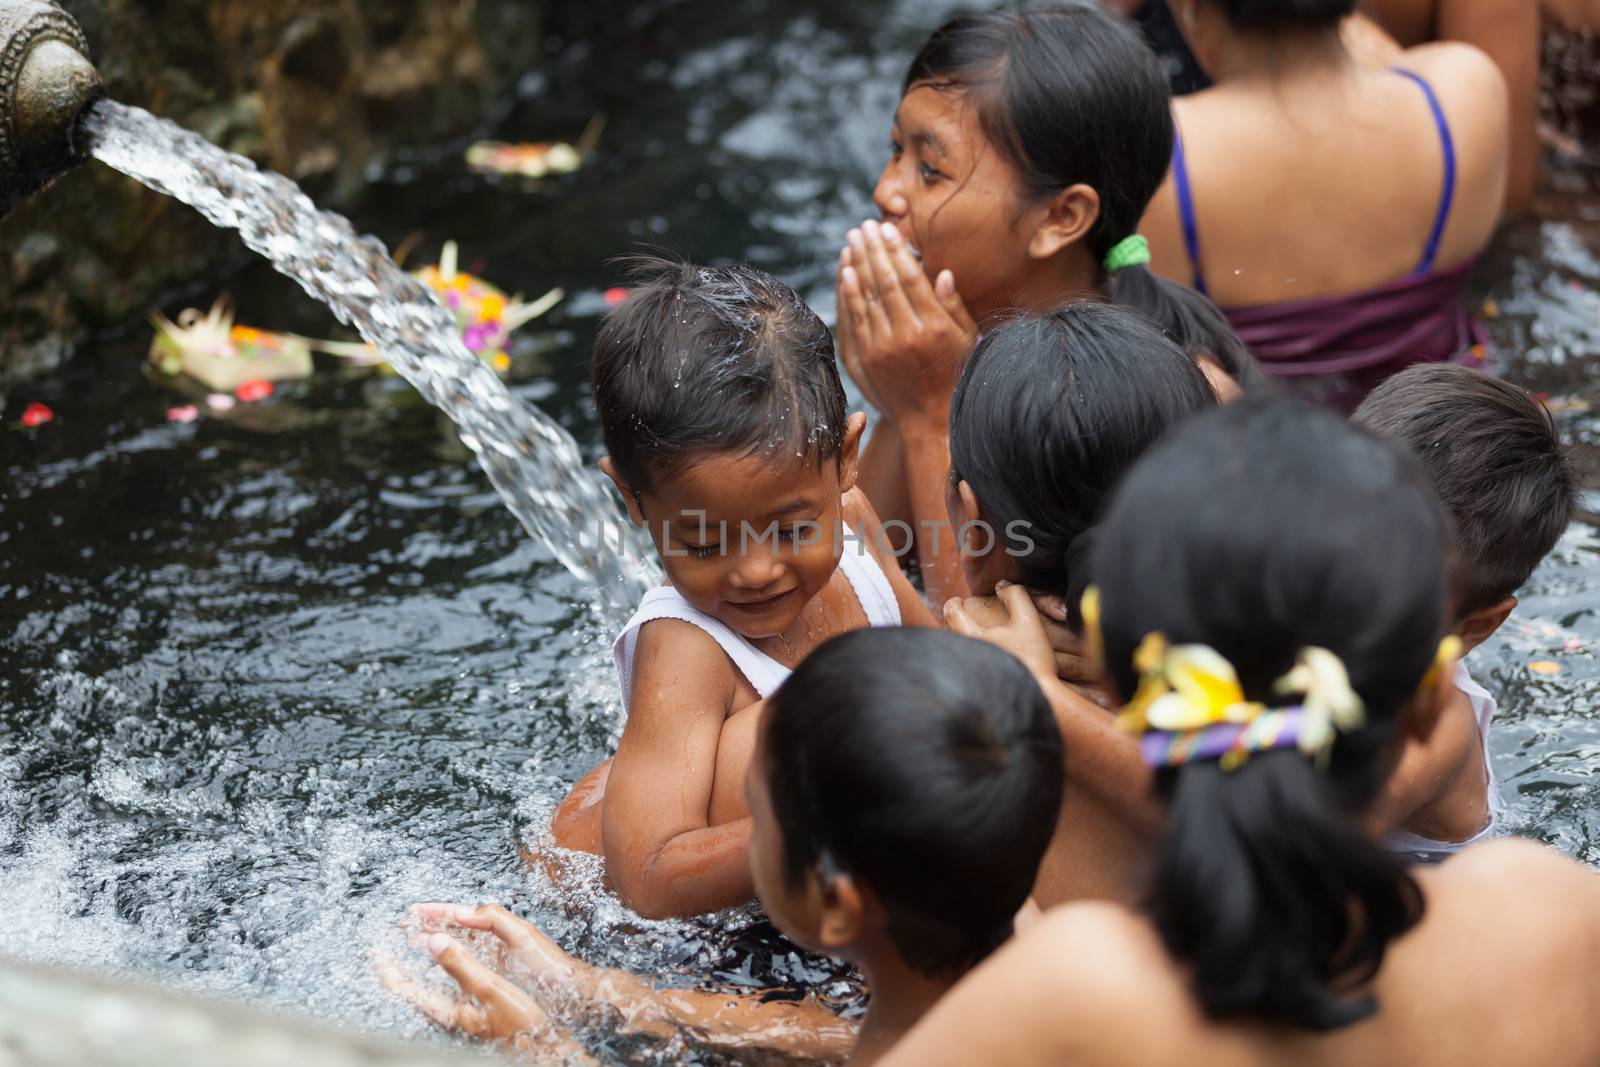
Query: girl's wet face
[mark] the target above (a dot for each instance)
(955, 197)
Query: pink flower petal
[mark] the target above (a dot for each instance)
(186, 413)
(220, 402)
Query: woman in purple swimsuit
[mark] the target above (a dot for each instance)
(1333, 210)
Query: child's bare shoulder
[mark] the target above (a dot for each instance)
(1098, 972)
(1098, 955)
(676, 665)
(864, 523)
(1525, 870)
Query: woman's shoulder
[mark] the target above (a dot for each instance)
(1470, 86)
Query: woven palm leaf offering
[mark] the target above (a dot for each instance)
(486, 315)
(538, 160)
(224, 356)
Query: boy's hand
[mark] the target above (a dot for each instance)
(490, 1006)
(991, 613)
(1009, 621)
(903, 338)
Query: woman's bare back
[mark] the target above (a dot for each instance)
(1328, 181)
(1500, 971)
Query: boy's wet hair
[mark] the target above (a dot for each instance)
(1494, 458)
(929, 768)
(1260, 530)
(713, 359)
(1049, 414)
(1070, 94)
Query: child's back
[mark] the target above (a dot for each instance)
(726, 434)
(1493, 457)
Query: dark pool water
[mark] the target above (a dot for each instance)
(265, 680)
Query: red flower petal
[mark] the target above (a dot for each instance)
(255, 389)
(36, 414)
(616, 295)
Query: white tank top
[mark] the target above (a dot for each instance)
(1483, 708)
(764, 673)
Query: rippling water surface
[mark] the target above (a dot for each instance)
(267, 678)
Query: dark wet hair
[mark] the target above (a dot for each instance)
(1072, 95)
(927, 766)
(1285, 14)
(712, 359)
(1494, 458)
(1198, 327)
(1260, 530)
(1049, 414)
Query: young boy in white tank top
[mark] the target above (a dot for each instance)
(1494, 458)
(726, 434)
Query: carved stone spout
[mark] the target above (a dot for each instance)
(46, 82)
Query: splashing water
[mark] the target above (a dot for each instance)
(533, 462)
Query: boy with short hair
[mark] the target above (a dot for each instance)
(1493, 456)
(727, 437)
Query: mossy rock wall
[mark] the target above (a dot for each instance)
(316, 89)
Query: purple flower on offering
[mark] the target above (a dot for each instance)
(477, 337)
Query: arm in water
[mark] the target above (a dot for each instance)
(662, 853)
(550, 980)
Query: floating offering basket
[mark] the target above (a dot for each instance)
(535, 160)
(486, 316)
(222, 355)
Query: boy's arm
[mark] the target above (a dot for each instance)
(661, 854)
(1100, 757)
(584, 994)
(863, 520)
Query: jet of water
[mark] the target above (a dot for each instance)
(530, 459)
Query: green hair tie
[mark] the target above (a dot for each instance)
(1130, 252)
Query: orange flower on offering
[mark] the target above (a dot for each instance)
(535, 160)
(486, 316)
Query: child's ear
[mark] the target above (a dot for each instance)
(971, 524)
(1476, 628)
(630, 499)
(1432, 699)
(850, 451)
(1071, 215)
(842, 914)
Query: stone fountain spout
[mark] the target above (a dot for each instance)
(46, 83)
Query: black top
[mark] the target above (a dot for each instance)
(1155, 21)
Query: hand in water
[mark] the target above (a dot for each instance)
(989, 617)
(549, 982)
(902, 339)
(490, 1006)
